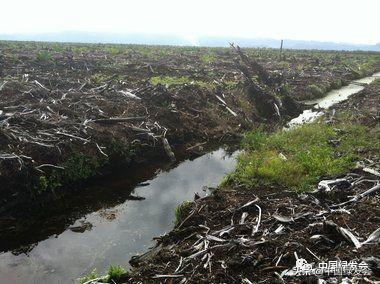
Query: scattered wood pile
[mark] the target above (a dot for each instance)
(238, 237)
(42, 127)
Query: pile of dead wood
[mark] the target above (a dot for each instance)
(40, 118)
(232, 237)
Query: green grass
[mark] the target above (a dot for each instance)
(209, 57)
(180, 211)
(91, 276)
(115, 273)
(309, 151)
(43, 56)
(77, 168)
(317, 91)
(169, 80)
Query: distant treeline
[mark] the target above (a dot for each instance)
(88, 37)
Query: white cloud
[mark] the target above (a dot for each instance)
(328, 20)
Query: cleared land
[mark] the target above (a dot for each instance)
(69, 112)
(72, 112)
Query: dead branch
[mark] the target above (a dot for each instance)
(359, 196)
(261, 92)
(49, 166)
(256, 67)
(129, 95)
(73, 136)
(256, 228)
(113, 120)
(158, 276)
(168, 149)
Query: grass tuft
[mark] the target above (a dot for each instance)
(317, 91)
(91, 276)
(43, 56)
(180, 211)
(115, 273)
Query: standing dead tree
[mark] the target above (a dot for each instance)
(264, 89)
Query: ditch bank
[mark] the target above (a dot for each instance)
(256, 225)
(48, 161)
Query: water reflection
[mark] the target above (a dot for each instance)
(119, 232)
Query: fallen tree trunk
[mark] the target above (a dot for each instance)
(263, 91)
(257, 69)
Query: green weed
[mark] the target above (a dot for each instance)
(317, 91)
(42, 183)
(43, 56)
(99, 78)
(77, 168)
(115, 273)
(121, 151)
(208, 58)
(230, 84)
(91, 276)
(169, 80)
(180, 211)
(336, 84)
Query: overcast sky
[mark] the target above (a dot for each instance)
(322, 20)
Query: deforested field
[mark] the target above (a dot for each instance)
(74, 114)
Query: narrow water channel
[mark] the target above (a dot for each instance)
(114, 234)
(331, 98)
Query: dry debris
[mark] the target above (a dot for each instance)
(266, 235)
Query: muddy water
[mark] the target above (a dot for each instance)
(331, 98)
(114, 234)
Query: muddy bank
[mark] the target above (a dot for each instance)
(243, 234)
